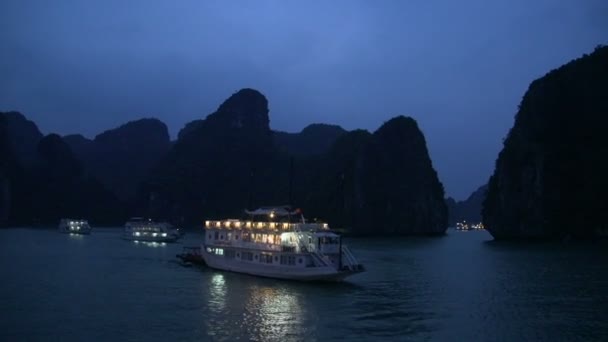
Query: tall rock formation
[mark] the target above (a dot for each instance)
(60, 188)
(550, 178)
(381, 183)
(23, 135)
(123, 157)
(7, 164)
(222, 165)
(404, 195)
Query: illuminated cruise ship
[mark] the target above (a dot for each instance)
(139, 229)
(72, 226)
(278, 243)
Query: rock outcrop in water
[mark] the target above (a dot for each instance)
(123, 157)
(550, 177)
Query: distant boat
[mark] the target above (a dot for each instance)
(278, 243)
(73, 226)
(140, 229)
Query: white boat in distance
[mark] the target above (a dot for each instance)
(140, 229)
(72, 226)
(277, 242)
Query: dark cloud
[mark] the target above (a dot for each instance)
(458, 67)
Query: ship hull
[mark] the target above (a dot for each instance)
(150, 238)
(325, 273)
(77, 232)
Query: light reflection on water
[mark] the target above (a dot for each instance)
(258, 311)
(274, 314)
(459, 287)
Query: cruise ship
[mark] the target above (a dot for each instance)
(72, 226)
(277, 242)
(140, 229)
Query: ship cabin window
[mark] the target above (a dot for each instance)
(228, 236)
(236, 236)
(210, 236)
(288, 260)
(266, 258)
(216, 251)
(329, 240)
(256, 257)
(247, 256)
(246, 237)
(299, 260)
(222, 237)
(276, 258)
(229, 253)
(217, 234)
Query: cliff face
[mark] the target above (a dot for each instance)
(123, 157)
(403, 192)
(550, 177)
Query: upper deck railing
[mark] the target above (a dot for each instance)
(273, 226)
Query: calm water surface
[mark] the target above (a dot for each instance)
(459, 287)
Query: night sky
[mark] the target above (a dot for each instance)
(459, 68)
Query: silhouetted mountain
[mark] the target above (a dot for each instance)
(315, 139)
(24, 137)
(219, 165)
(380, 183)
(550, 177)
(80, 145)
(61, 189)
(468, 210)
(189, 128)
(403, 194)
(330, 186)
(123, 157)
(7, 172)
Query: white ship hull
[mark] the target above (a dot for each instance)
(149, 238)
(78, 232)
(318, 273)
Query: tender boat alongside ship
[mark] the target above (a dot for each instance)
(72, 226)
(140, 229)
(278, 243)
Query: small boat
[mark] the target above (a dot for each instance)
(72, 226)
(191, 256)
(140, 229)
(277, 242)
